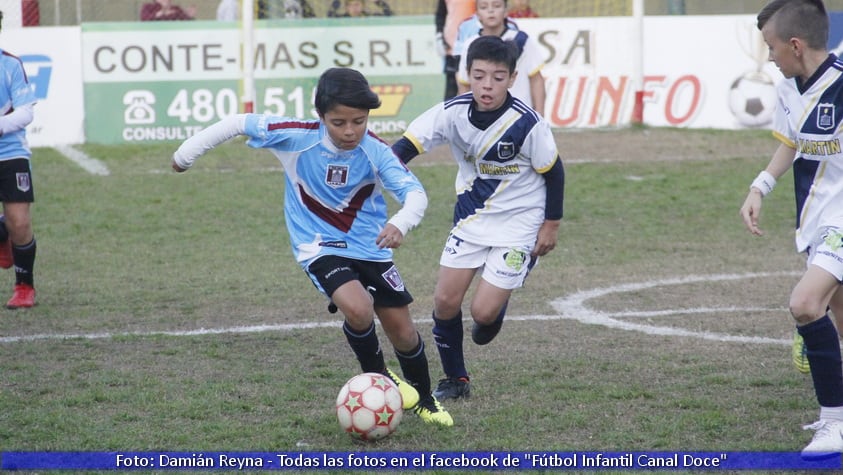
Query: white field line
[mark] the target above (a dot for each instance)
(91, 165)
(571, 307)
(574, 307)
(198, 332)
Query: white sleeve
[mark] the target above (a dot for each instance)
(411, 214)
(430, 129)
(16, 120)
(208, 138)
(531, 58)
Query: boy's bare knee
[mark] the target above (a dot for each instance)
(804, 311)
(446, 308)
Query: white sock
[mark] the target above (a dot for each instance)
(831, 413)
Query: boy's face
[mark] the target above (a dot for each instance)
(489, 82)
(781, 52)
(491, 13)
(346, 126)
(354, 7)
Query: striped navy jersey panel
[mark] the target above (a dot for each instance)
(500, 157)
(334, 201)
(808, 118)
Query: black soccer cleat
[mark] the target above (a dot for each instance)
(452, 388)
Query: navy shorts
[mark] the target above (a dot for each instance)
(16, 181)
(381, 279)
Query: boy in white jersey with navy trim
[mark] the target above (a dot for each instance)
(335, 173)
(808, 124)
(17, 240)
(510, 186)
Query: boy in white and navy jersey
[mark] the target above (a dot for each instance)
(336, 173)
(808, 124)
(17, 240)
(510, 187)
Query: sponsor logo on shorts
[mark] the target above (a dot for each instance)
(393, 278)
(833, 239)
(832, 255)
(336, 271)
(23, 181)
(515, 259)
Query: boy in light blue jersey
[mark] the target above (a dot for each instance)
(17, 240)
(336, 172)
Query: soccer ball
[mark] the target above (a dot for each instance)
(369, 406)
(752, 99)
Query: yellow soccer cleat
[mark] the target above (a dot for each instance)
(431, 412)
(409, 395)
(800, 354)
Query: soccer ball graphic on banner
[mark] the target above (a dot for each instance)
(369, 406)
(752, 99)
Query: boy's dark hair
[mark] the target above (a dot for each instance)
(493, 49)
(805, 19)
(344, 86)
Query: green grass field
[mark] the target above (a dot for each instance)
(133, 265)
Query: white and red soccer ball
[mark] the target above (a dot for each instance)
(369, 406)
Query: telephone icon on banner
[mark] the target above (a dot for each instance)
(138, 107)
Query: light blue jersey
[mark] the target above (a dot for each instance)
(16, 92)
(334, 201)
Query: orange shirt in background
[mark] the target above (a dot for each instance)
(458, 10)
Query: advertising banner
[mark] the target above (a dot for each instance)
(722, 82)
(51, 59)
(136, 82)
(165, 81)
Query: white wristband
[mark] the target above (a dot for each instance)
(765, 182)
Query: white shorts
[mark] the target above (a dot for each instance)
(503, 267)
(827, 252)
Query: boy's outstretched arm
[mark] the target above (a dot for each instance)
(208, 138)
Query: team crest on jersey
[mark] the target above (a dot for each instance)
(506, 150)
(23, 181)
(825, 117)
(337, 175)
(515, 258)
(393, 278)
